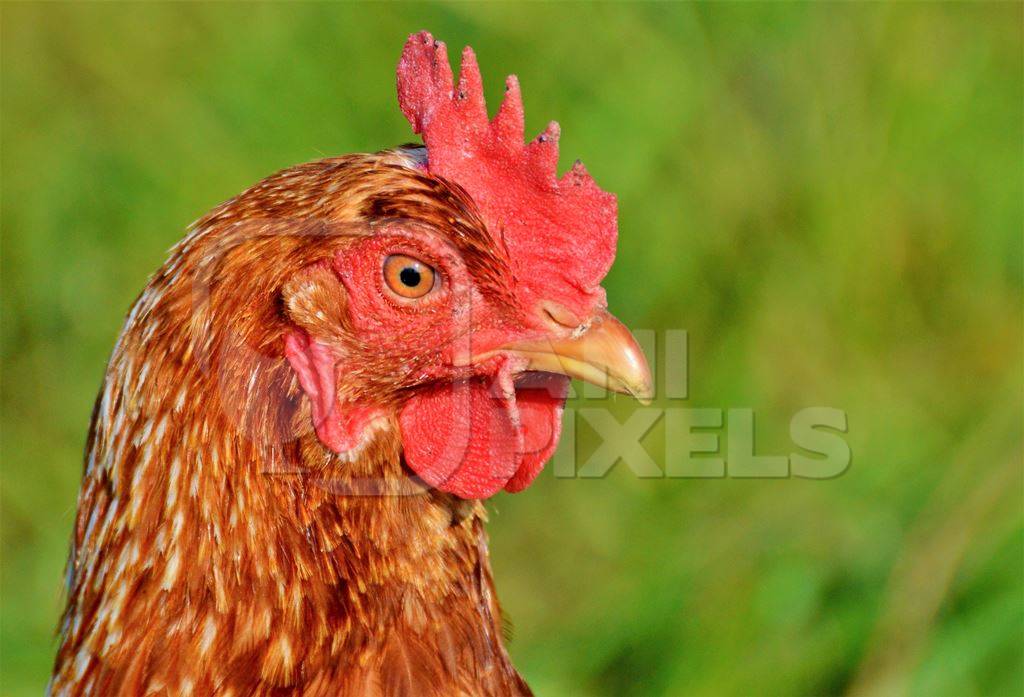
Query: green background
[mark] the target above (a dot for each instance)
(828, 197)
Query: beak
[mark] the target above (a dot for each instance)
(605, 354)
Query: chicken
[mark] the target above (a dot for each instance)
(313, 395)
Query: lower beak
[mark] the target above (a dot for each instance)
(605, 354)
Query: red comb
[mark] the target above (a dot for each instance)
(560, 232)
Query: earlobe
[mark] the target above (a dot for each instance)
(341, 428)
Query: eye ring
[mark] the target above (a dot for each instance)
(408, 277)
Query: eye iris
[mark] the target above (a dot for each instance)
(410, 277)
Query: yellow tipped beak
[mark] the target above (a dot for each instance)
(606, 354)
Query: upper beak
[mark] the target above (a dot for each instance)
(605, 354)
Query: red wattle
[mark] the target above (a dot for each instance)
(460, 438)
(540, 403)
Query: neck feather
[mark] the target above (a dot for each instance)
(219, 545)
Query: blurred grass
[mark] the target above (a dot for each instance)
(827, 196)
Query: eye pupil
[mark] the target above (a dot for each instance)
(410, 277)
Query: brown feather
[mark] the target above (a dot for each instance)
(218, 547)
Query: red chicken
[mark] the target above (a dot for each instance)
(308, 402)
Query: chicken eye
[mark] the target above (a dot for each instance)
(408, 277)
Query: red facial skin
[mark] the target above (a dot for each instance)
(467, 428)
